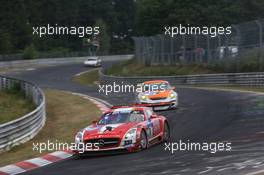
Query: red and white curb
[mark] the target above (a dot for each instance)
(31, 164)
(47, 159)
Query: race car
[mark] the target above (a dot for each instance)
(158, 94)
(93, 61)
(123, 129)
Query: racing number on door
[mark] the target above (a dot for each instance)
(150, 129)
(153, 128)
(156, 127)
(153, 125)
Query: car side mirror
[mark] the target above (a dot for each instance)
(153, 116)
(94, 122)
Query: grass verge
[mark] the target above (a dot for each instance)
(66, 114)
(13, 105)
(88, 78)
(132, 68)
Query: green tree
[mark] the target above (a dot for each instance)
(104, 38)
(30, 52)
(153, 15)
(5, 43)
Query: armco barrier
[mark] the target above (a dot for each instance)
(247, 79)
(26, 127)
(57, 61)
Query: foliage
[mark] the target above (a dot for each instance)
(104, 38)
(122, 19)
(30, 52)
(18, 17)
(5, 43)
(133, 68)
(153, 15)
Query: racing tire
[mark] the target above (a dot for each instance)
(78, 156)
(143, 144)
(166, 132)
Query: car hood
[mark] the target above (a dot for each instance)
(91, 61)
(110, 130)
(158, 94)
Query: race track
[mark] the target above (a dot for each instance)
(203, 116)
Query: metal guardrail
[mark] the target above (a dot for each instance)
(24, 128)
(245, 79)
(57, 61)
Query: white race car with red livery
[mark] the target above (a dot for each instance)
(123, 129)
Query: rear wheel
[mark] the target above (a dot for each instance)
(143, 140)
(166, 132)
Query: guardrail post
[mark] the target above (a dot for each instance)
(208, 49)
(171, 50)
(142, 50)
(195, 49)
(148, 51)
(136, 46)
(238, 43)
(183, 48)
(162, 49)
(219, 45)
(153, 53)
(260, 44)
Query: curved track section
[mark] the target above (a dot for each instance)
(203, 116)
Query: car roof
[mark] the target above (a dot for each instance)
(93, 57)
(135, 108)
(155, 82)
(130, 108)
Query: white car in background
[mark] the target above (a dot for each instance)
(93, 61)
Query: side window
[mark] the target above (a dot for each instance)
(149, 113)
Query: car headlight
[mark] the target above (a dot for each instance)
(143, 97)
(172, 95)
(78, 137)
(130, 137)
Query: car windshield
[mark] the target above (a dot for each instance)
(157, 87)
(91, 59)
(122, 116)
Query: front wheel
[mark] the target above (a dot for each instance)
(143, 141)
(166, 132)
(78, 156)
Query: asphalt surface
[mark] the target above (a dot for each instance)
(203, 116)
